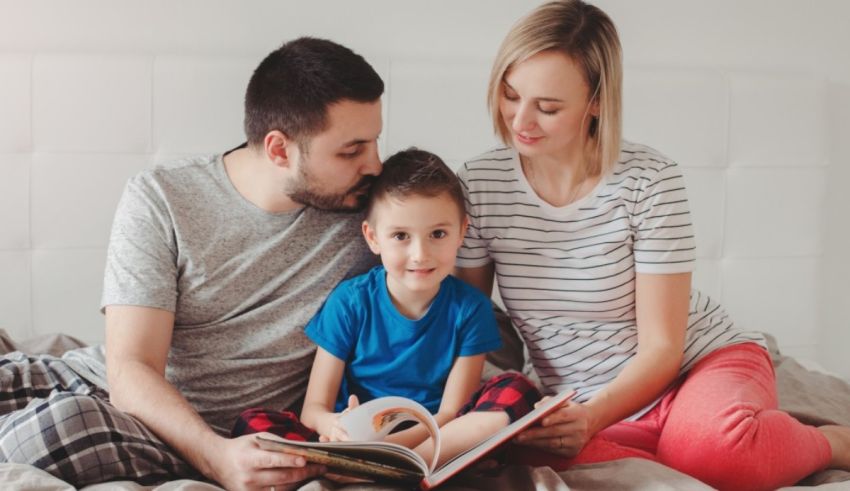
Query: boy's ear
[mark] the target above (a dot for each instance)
(369, 235)
(463, 226)
(279, 148)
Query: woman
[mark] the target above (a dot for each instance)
(591, 240)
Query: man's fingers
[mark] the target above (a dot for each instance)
(266, 459)
(282, 476)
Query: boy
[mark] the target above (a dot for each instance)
(408, 328)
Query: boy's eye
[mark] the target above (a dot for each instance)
(439, 234)
(399, 236)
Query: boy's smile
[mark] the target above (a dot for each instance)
(418, 238)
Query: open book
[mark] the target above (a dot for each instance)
(371, 458)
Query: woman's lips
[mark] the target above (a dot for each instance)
(527, 140)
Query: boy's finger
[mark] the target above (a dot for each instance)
(353, 402)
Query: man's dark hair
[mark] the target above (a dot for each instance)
(291, 89)
(416, 172)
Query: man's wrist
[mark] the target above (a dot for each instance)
(202, 458)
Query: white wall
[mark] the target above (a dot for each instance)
(752, 97)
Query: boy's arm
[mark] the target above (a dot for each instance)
(464, 379)
(322, 390)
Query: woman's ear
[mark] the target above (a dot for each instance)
(278, 148)
(371, 239)
(594, 107)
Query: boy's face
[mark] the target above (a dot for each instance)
(417, 238)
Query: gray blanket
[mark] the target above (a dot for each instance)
(811, 397)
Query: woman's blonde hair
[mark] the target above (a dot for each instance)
(588, 36)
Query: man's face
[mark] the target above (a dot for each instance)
(335, 168)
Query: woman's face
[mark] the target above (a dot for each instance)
(544, 104)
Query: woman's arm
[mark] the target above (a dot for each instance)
(464, 379)
(318, 411)
(662, 316)
(480, 277)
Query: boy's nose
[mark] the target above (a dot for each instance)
(418, 251)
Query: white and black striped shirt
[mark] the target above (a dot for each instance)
(567, 274)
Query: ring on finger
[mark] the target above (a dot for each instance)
(560, 441)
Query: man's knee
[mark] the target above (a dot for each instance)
(48, 424)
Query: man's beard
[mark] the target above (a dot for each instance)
(303, 190)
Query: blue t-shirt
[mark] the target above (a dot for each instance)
(385, 353)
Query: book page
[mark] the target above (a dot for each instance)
(375, 419)
(464, 459)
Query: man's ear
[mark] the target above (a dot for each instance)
(369, 235)
(278, 148)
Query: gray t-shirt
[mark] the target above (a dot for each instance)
(242, 283)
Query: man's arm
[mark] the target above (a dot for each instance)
(137, 344)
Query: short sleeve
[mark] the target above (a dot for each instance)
(333, 327)
(664, 238)
(473, 253)
(141, 261)
(478, 330)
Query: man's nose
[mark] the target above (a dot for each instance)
(372, 163)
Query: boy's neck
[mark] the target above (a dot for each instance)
(411, 304)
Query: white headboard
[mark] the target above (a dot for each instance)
(752, 98)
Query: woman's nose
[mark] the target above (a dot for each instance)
(523, 119)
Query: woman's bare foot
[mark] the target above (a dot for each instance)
(839, 441)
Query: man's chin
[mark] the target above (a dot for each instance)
(351, 203)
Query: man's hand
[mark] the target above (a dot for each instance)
(239, 464)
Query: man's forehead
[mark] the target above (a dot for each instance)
(351, 123)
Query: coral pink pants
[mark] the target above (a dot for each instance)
(720, 425)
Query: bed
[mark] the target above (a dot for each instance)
(809, 395)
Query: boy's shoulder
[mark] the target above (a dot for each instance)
(362, 284)
(463, 290)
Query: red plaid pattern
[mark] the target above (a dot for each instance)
(281, 423)
(510, 392)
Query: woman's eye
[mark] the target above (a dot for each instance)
(548, 110)
(511, 95)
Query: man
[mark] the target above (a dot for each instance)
(213, 269)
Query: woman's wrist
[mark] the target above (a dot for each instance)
(595, 410)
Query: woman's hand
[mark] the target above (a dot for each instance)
(565, 431)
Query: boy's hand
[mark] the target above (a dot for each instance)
(337, 432)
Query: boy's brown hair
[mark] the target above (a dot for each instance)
(416, 172)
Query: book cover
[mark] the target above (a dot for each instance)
(367, 456)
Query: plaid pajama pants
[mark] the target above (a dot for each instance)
(510, 392)
(57, 421)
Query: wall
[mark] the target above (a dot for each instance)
(752, 98)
